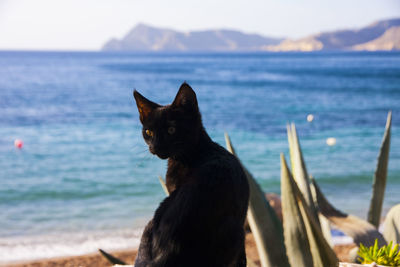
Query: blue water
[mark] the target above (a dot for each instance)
(84, 178)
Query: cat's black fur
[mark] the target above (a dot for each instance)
(201, 222)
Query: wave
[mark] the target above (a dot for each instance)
(22, 248)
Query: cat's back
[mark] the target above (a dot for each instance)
(219, 163)
(223, 172)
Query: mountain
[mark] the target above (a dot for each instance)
(381, 35)
(344, 39)
(306, 44)
(147, 38)
(390, 40)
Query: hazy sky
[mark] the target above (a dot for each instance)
(87, 24)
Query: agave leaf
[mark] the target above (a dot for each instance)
(321, 252)
(326, 229)
(294, 229)
(291, 146)
(264, 223)
(379, 184)
(324, 222)
(111, 258)
(391, 229)
(251, 263)
(361, 231)
(299, 169)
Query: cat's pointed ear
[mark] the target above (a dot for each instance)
(185, 97)
(144, 105)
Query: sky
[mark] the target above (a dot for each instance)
(88, 24)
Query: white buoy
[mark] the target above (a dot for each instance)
(331, 141)
(310, 117)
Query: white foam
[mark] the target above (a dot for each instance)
(342, 240)
(73, 244)
(66, 244)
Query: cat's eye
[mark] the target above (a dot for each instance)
(171, 130)
(149, 133)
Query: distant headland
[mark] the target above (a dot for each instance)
(383, 35)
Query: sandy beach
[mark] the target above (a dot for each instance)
(95, 259)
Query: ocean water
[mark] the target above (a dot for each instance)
(84, 178)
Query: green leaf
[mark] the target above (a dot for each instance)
(394, 250)
(380, 176)
(388, 248)
(375, 249)
(264, 223)
(385, 255)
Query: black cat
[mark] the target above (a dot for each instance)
(201, 222)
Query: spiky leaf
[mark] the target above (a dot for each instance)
(324, 222)
(322, 253)
(385, 255)
(361, 231)
(111, 258)
(379, 184)
(294, 229)
(299, 169)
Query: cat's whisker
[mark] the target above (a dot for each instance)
(143, 150)
(143, 159)
(136, 146)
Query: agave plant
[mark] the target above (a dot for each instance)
(387, 255)
(361, 231)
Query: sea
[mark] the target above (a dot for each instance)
(84, 178)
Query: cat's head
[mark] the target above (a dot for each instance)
(171, 130)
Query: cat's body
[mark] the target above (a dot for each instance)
(201, 222)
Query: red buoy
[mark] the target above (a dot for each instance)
(18, 143)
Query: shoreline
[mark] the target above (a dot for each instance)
(128, 255)
(90, 259)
